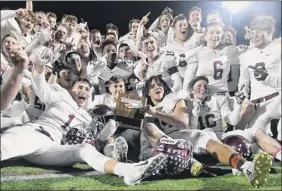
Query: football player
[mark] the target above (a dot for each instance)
(158, 63)
(111, 67)
(131, 37)
(52, 18)
(182, 43)
(96, 41)
(260, 67)
(19, 23)
(210, 61)
(40, 142)
(195, 19)
(208, 111)
(168, 113)
(159, 29)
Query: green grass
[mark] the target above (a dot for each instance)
(224, 180)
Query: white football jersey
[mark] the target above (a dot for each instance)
(268, 58)
(36, 107)
(182, 51)
(166, 67)
(61, 112)
(167, 106)
(214, 64)
(212, 112)
(121, 69)
(105, 99)
(160, 36)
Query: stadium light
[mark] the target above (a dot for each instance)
(234, 7)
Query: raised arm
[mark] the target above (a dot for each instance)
(41, 88)
(11, 87)
(29, 5)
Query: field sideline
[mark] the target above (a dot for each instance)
(20, 175)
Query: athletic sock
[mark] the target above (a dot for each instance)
(236, 161)
(277, 154)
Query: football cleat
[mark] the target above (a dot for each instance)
(120, 150)
(196, 168)
(258, 170)
(144, 169)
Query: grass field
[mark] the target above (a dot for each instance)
(82, 177)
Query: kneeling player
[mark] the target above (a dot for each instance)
(166, 114)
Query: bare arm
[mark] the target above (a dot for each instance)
(29, 5)
(178, 119)
(11, 87)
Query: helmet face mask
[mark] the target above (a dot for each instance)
(101, 114)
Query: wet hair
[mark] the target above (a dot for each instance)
(112, 26)
(113, 80)
(146, 89)
(178, 18)
(107, 42)
(146, 36)
(123, 45)
(132, 21)
(50, 14)
(82, 80)
(196, 79)
(62, 67)
(69, 54)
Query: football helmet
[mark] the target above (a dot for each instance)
(101, 114)
(179, 154)
(239, 144)
(79, 134)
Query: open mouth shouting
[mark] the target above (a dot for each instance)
(81, 98)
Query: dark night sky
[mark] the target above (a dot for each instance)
(98, 14)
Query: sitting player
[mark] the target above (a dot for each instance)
(166, 114)
(208, 111)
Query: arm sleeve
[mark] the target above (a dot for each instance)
(7, 14)
(192, 66)
(244, 78)
(273, 81)
(137, 70)
(154, 25)
(41, 88)
(16, 110)
(231, 117)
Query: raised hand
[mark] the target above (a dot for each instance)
(20, 60)
(145, 19)
(42, 55)
(21, 13)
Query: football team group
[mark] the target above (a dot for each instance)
(205, 95)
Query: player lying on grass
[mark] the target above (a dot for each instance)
(167, 115)
(40, 142)
(208, 111)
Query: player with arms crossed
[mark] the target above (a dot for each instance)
(167, 115)
(260, 67)
(40, 142)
